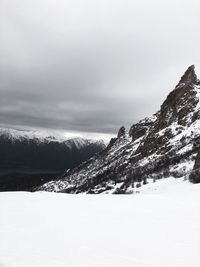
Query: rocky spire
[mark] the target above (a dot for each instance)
(121, 132)
(183, 93)
(189, 76)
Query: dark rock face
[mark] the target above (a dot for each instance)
(195, 174)
(163, 145)
(140, 129)
(121, 132)
(189, 77)
(197, 162)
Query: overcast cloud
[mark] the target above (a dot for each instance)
(92, 66)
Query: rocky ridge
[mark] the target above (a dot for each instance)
(163, 145)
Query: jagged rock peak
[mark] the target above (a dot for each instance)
(121, 132)
(189, 76)
(184, 94)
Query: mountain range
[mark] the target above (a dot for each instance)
(30, 158)
(164, 145)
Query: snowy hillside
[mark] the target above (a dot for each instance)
(159, 227)
(163, 145)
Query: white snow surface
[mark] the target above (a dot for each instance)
(158, 227)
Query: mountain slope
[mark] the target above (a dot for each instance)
(163, 145)
(30, 158)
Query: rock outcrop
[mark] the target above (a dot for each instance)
(189, 77)
(163, 145)
(195, 174)
(121, 132)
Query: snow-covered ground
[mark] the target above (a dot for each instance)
(158, 227)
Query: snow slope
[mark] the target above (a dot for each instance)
(159, 227)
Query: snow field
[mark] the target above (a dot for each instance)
(160, 227)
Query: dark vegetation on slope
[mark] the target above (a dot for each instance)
(26, 163)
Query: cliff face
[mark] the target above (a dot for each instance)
(163, 145)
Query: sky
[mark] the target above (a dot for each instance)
(92, 66)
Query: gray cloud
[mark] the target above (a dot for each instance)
(92, 66)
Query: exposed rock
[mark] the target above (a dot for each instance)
(140, 129)
(197, 162)
(111, 143)
(195, 174)
(189, 76)
(121, 132)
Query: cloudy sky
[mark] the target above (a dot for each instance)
(92, 65)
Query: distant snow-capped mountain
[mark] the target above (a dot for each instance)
(164, 145)
(42, 136)
(29, 158)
